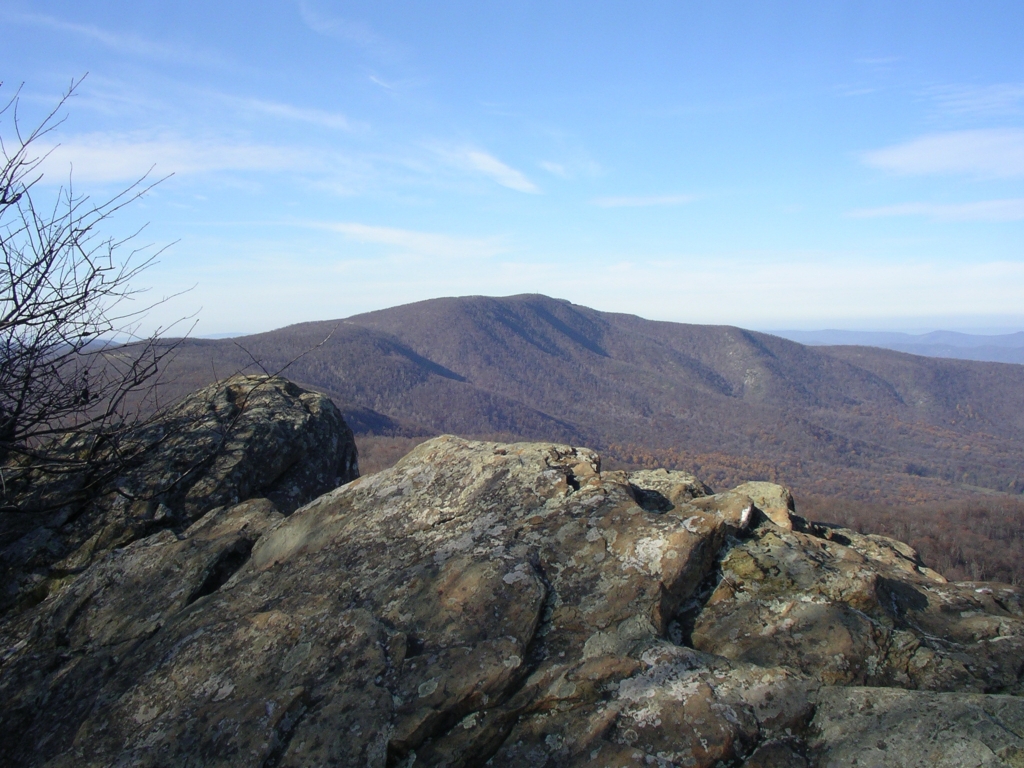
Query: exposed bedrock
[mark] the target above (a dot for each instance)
(245, 437)
(514, 604)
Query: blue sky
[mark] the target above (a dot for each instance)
(770, 165)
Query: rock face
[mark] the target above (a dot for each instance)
(861, 610)
(65, 652)
(512, 605)
(248, 436)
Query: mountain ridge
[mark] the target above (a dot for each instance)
(995, 348)
(825, 420)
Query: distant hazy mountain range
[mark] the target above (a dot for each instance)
(727, 403)
(1003, 348)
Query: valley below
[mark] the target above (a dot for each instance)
(932, 449)
(243, 596)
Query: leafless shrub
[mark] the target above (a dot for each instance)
(75, 374)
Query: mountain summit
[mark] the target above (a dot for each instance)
(861, 422)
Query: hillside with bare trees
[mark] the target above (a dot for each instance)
(865, 426)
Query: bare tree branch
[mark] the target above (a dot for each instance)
(74, 367)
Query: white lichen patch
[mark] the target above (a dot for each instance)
(646, 555)
(681, 689)
(520, 573)
(637, 689)
(146, 714)
(224, 691)
(646, 717)
(692, 524)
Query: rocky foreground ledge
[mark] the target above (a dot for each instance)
(241, 438)
(512, 605)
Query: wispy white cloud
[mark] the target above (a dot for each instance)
(983, 210)
(995, 99)
(254, 284)
(831, 291)
(112, 158)
(643, 201)
(124, 158)
(114, 96)
(491, 166)
(382, 83)
(878, 67)
(420, 243)
(577, 164)
(119, 41)
(319, 117)
(995, 153)
(556, 169)
(329, 25)
(333, 26)
(477, 161)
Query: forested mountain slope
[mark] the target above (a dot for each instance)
(729, 403)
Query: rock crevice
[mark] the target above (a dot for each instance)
(514, 605)
(245, 437)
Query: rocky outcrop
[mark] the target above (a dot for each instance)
(915, 729)
(860, 610)
(62, 655)
(513, 605)
(245, 437)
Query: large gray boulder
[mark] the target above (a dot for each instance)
(858, 610)
(513, 605)
(245, 437)
(892, 728)
(59, 656)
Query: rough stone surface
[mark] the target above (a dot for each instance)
(512, 605)
(660, 490)
(244, 437)
(56, 659)
(859, 610)
(773, 500)
(890, 728)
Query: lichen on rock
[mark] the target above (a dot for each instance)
(245, 437)
(513, 605)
